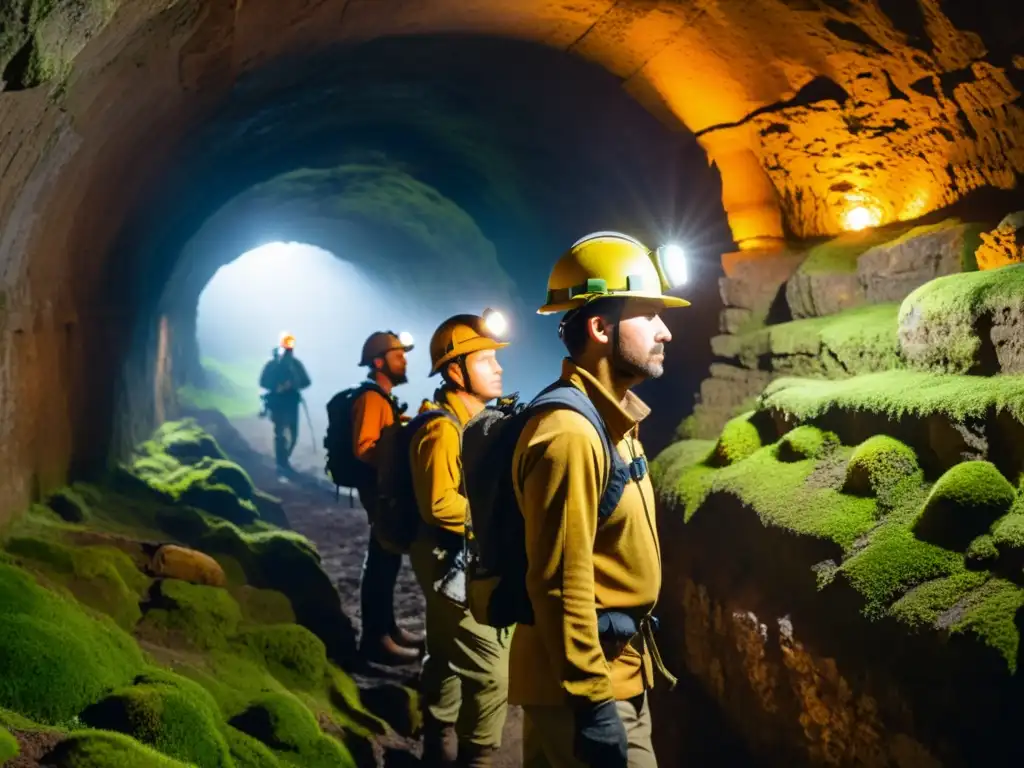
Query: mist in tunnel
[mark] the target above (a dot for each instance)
(331, 305)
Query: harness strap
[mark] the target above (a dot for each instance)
(647, 634)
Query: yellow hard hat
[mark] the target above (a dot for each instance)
(606, 264)
(461, 335)
(380, 343)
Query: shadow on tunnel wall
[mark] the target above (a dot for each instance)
(536, 147)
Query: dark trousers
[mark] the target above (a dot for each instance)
(377, 590)
(286, 432)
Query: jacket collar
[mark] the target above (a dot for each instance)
(620, 418)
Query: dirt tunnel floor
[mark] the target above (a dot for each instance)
(340, 533)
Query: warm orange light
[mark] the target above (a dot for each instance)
(861, 217)
(287, 341)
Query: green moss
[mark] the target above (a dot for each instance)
(54, 658)
(186, 441)
(1008, 533)
(104, 578)
(264, 606)
(963, 504)
(739, 439)
(292, 653)
(990, 613)
(839, 255)
(785, 496)
(805, 442)
(248, 752)
(954, 303)
(882, 467)
(282, 723)
(894, 561)
(8, 746)
(859, 340)
(895, 394)
(924, 605)
(101, 749)
(205, 616)
(168, 712)
(982, 552)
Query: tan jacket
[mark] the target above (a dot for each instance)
(576, 567)
(434, 454)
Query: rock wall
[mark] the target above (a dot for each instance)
(845, 577)
(821, 311)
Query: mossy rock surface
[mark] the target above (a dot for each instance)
(882, 467)
(54, 658)
(739, 439)
(894, 394)
(292, 653)
(965, 323)
(247, 752)
(963, 504)
(806, 442)
(104, 578)
(8, 745)
(206, 617)
(283, 724)
(170, 713)
(103, 749)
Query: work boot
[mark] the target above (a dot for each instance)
(385, 650)
(475, 755)
(408, 639)
(440, 744)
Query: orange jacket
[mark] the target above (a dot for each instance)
(371, 413)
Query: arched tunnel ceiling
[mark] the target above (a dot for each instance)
(804, 106)
(812, 101)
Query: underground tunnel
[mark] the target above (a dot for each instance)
(834, 445)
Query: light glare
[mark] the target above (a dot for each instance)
(673, 262)
(405, 339)
(495, 322)
(860, 218)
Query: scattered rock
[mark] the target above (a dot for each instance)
(890, 272)
(1004, 245)
(174, 562)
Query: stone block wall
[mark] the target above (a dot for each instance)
(763, 293)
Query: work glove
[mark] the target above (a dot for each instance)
(600, 738)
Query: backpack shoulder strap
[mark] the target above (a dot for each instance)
(562, 394)
(429, 415)
(373, 386)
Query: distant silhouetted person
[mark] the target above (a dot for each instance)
(284, 378)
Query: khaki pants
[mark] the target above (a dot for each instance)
(465, 670)
(548, 735)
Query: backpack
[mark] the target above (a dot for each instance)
(496, 590)
(396, 520)
(342, 466)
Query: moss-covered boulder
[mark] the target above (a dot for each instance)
(805, 442)
(292, 653)
(102, 577)
(103, 749)
(168, 712)
(966, 323)
(54, 658)
(963, 504)
(247, 752)
(187, 442)
(203, 617)
(879, 466)
(739, 439)
(283, 724)
(8, 745)
(264, 606)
